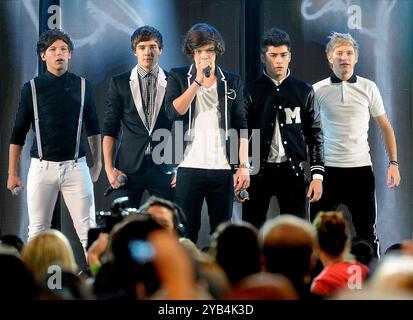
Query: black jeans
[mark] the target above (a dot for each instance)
(215, 186)
(151, 178)
(276, 179)
(355, 188)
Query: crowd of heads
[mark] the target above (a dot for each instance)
(144, 257)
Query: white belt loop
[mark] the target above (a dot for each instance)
(36, 120)
(79, 127)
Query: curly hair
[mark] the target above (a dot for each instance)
(202, 34)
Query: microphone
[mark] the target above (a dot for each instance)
(207, 71)
(109, 190)
(242, 196)
(17, 190)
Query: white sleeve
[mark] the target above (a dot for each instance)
(376, 106)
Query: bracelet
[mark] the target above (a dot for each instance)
(196, 81)
(394, 162)
(244, 165)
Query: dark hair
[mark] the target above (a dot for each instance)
(200, 35)
(237, 250)
(48, 37)
(275, 37)
(362, 250)
(17, 283)
(146, 33)
(14, 241)
(126, 266)
(178, 216)
(332, 232)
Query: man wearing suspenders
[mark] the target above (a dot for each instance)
(58, 105)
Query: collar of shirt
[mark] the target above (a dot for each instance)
(278, 82)
(143, 73)
(50, 75)
(335, 79)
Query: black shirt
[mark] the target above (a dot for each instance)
(58, 100)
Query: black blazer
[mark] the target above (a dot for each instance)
(230, 104)
(124, 114)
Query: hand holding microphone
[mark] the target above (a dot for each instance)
(207, 71)
(16, 190)
(121, 179)
(14, 184)
(203, 72)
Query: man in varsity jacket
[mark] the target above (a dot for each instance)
(58, 104)
(282, 108)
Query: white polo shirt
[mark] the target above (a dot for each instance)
(345, 109)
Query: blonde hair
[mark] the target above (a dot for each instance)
(49, 247)
(284, 227)
(337, 39)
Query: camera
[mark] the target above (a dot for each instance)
(106, 220)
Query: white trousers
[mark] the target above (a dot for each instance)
(45, 180)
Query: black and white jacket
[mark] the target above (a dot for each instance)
(293, 103)
(230, 102)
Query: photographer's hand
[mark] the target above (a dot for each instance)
(95, 252)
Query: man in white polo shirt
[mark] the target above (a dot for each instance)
(346, 102)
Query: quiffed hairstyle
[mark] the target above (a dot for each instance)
(337, 39)
(332, 232)
(146, 33)
(275, 37)
(202, 34)
(48, 37)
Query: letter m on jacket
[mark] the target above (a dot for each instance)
(292, 116)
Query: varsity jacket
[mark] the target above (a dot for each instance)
(230, 104)
(293, 103)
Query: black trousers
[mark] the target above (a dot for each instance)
(215, 186)
(276, 179)
(150, 177)
(355, 188)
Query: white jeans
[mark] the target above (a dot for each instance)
(45, 180)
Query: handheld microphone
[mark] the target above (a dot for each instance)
(17, 190)
(242, 196)
(207, 71)
(121, 180)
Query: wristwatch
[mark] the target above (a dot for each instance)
(245, 165)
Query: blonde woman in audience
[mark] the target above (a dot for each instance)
(48, 248)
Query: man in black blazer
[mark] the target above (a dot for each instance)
(207, 104)
(135, 108)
